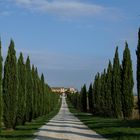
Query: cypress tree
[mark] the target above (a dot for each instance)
(116, 96)
(127, 84)
(0, 85)
(29, 91)
(84, 99)
(97, 94)
(138, 69)
(43, 94)
(34, 103)
(10, 88)
(109, 102)
(21, 104)
(90, 98)
(103, 94)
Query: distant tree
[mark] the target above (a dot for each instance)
(34, 102)
(97, 94)
(43, 94)
(138, 69)
(21, 104)
(127, 84)
(108, 97)
(0, 85)
(103, 94)
(29, 91)
(116, 96)
(84, 99)
(90, 98)
(10, 88)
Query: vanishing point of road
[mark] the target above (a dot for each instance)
(65, 126)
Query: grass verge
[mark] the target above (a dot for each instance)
(27, 131)
(112, 129)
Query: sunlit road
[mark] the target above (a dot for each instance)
(65, 126)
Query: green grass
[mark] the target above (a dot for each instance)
(27, 131)
(112, 129)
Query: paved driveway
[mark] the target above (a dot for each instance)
(65, 126)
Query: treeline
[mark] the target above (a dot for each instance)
(24, 95)
(111, 93)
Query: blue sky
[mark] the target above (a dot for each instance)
(70, 40)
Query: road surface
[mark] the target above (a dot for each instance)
(65, 126)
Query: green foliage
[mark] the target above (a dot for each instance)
(29, 91)
(127, 84)
(0, 85)
(116, 96)
(21, 104)
(108, 97)
(138, 69)
(97, 95)
(10, 88)
(90, 98)
(84, 99)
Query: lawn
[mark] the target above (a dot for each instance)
(27, 131)
(112, 129)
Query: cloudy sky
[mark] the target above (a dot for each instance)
(70, 40)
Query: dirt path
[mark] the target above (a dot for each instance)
(65, 126)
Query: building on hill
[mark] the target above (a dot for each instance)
(63, 89)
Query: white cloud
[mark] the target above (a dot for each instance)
(63, 8)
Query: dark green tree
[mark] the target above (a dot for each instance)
(10, 88)
(43, 95)
(0, 85)
(127, 84)
(84, 99)
(21, 104)
(97, 94)
(34, 102)
(29, 91)
(108, 98)
(138, 69)
(116, 87)
(90, 98)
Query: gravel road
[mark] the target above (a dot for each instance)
(65, 126)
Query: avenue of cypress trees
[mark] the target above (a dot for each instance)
(84, 99)
(10, 88)
(138, 69)
(21, 104)
(90, 98)
(127, 84)
(29, 91)
(116, 87)
(0, 85)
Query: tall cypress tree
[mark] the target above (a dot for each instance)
(116, 96)
(21, 104)
(43, 94)
(138, 69)
(84, 99)
(109, 102)
(97, 94)
(29, 91)
(90, 98)
(127, 84)
(0, 85)
(34, 103)
(10, 88)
